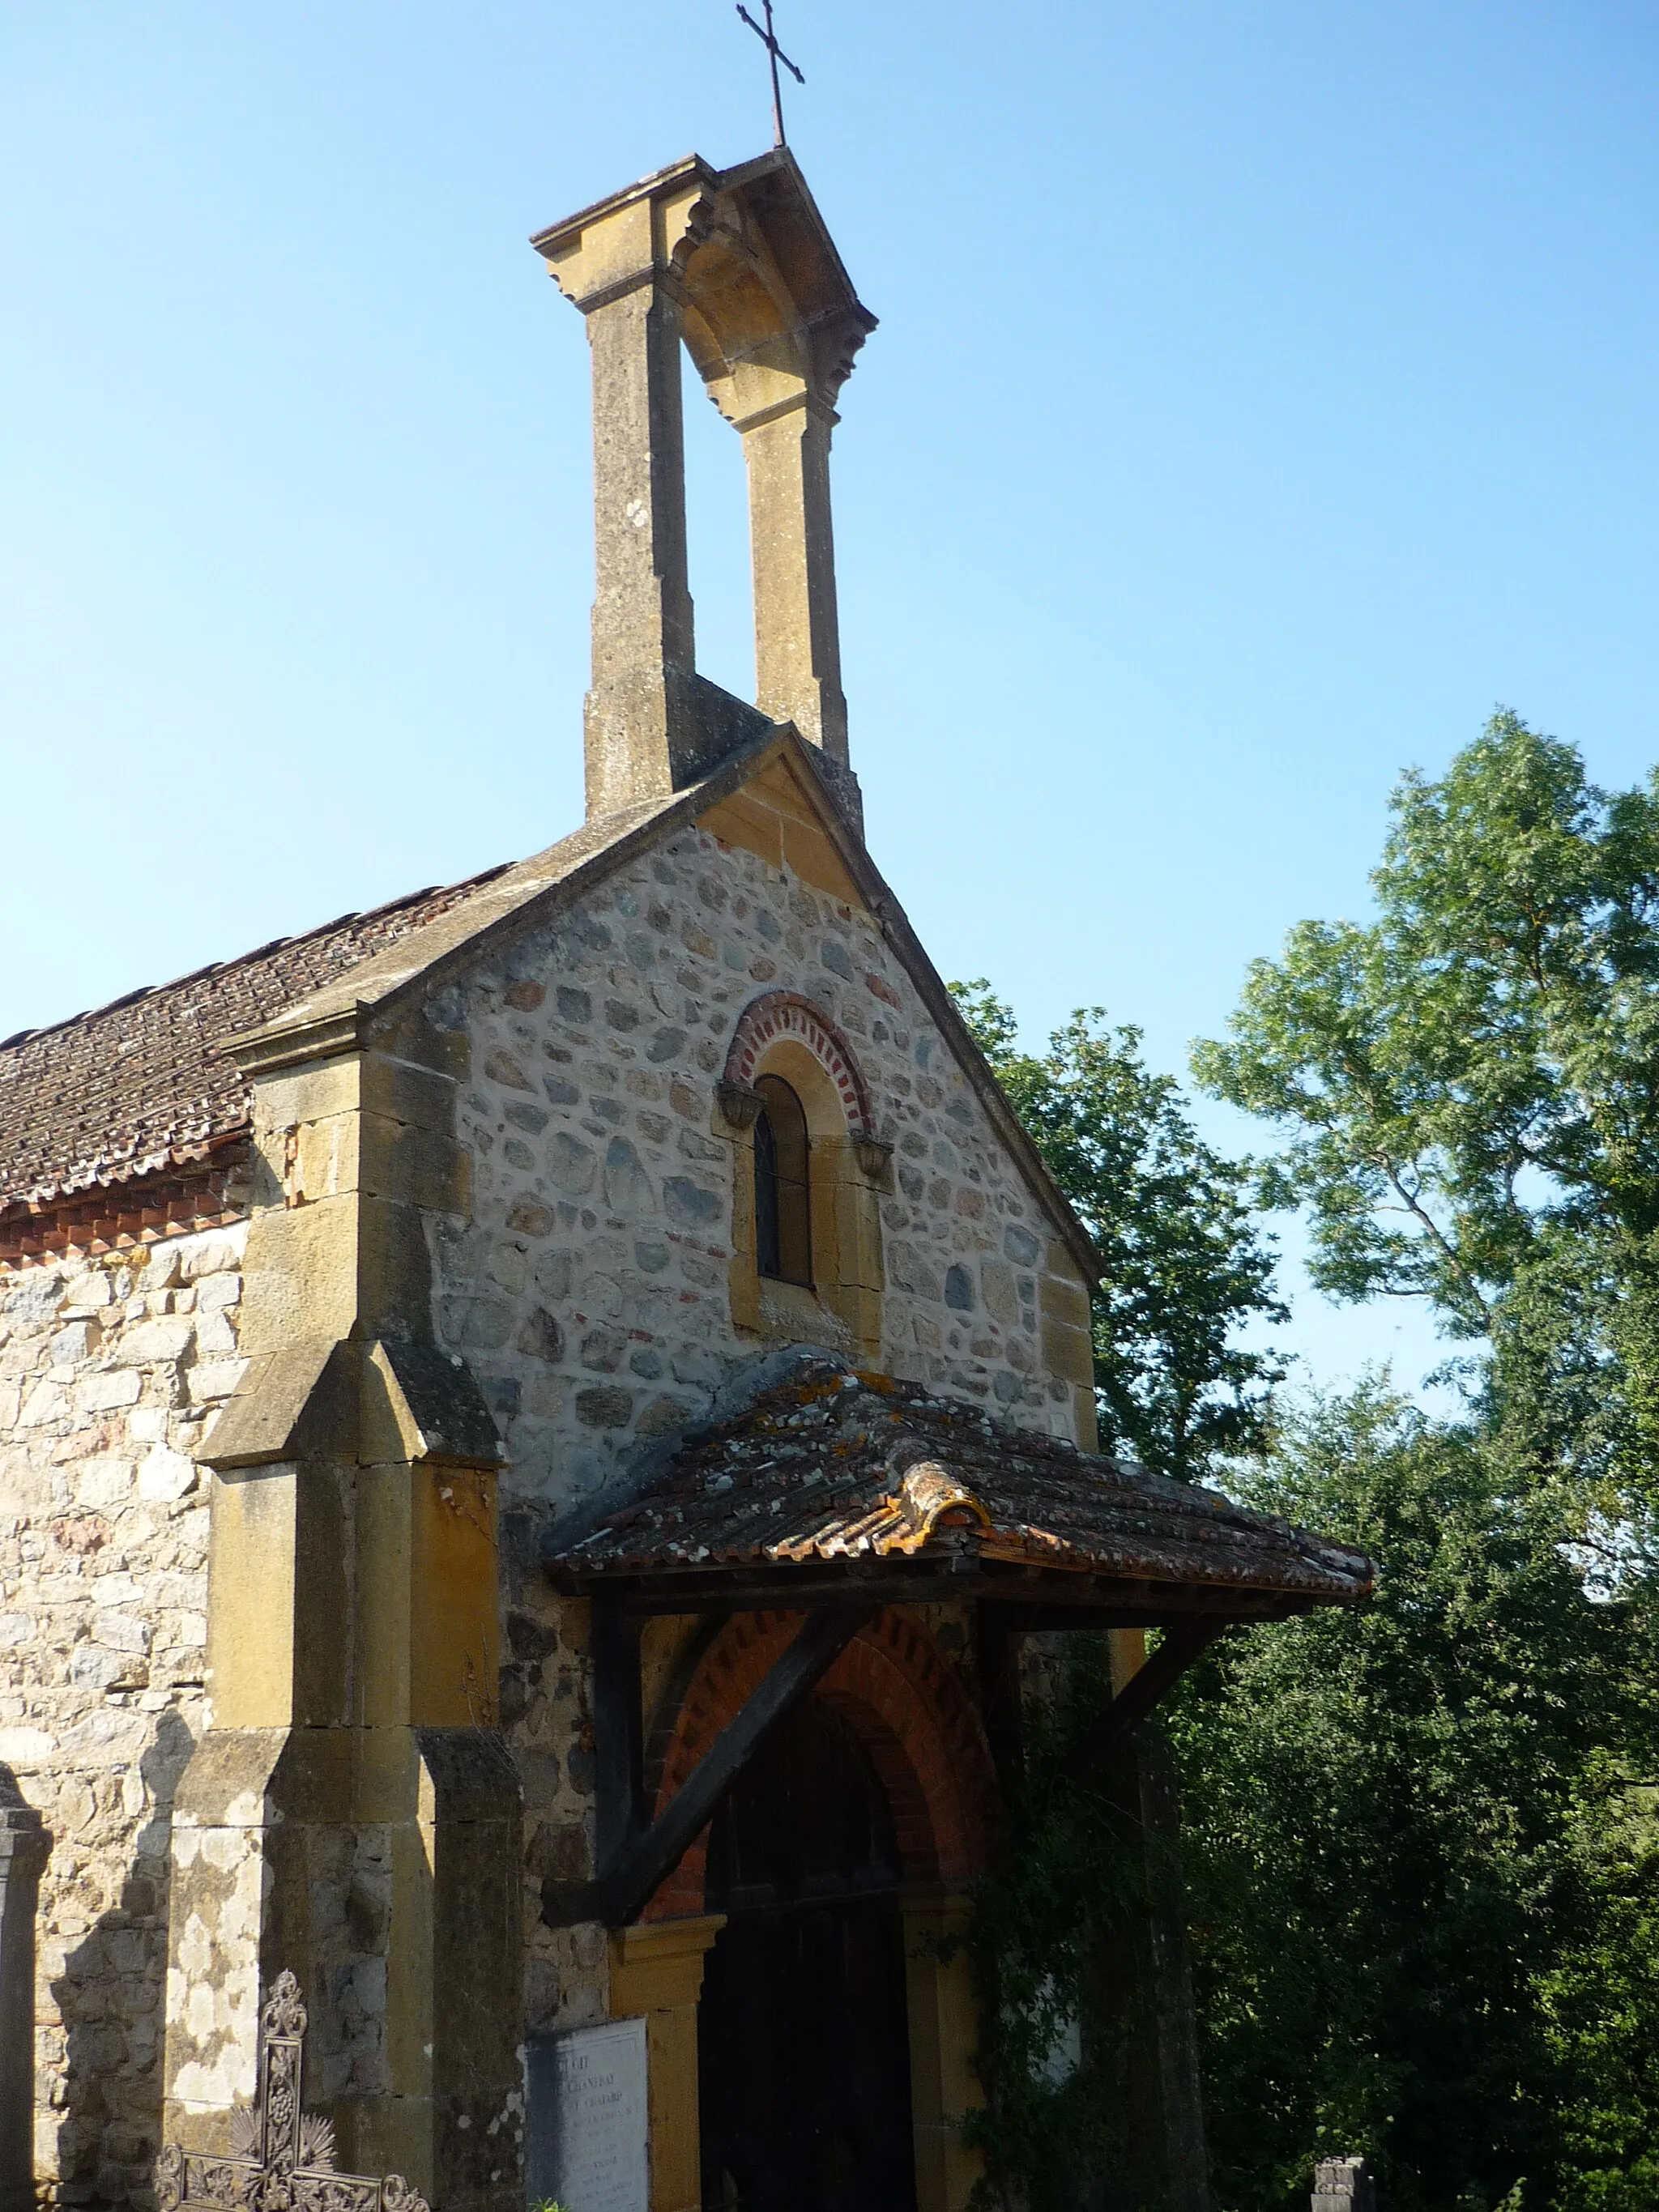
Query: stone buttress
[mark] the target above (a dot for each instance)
(351, 1813)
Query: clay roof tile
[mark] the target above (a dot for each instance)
(141, 1084)
(835, 1465)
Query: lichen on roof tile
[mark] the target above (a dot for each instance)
(836, 1465)
(142, 1084)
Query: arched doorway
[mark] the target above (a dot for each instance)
(803, 2039)
(906, 1774)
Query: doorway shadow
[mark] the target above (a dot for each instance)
(804, 2059)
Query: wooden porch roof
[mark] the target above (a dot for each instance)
(831, 1474)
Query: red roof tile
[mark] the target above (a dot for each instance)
(836, 1466)
(143, 1084)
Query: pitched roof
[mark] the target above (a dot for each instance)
(832, 1465)
(143, 1084)
(525, 895)
(100, 1098)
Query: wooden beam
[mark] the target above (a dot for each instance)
(773, 1589)
(1031, 1620)
(1116, 1602)
(1177, 1651)
(641, 1859)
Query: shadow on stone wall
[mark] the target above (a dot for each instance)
(111, 1997)
(25, 1845)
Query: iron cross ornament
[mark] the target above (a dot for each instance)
(281, 2157)
(769, 38)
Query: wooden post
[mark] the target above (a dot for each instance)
(1144, 2040)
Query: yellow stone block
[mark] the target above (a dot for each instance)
(394, 1283)
(405, 1090)
(279, 1601)
(299, 1274)
(656, 1970)
(455, 1655)
(323, 1158)
(1127, 1647)
(1065, 1297)
(251, 1581)
(739, 820)
(808, 850)
(1067, 1352)
(943, 2036)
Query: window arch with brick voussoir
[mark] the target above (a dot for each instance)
(894, 1693)
(807, 1179)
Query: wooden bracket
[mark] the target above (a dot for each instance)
(635, 1853)
(1174, 1655)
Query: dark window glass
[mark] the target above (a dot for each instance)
(783, 1208)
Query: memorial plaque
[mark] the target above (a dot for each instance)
(585, 2119)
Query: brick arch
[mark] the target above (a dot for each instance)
(780, 1015)
(902, 1700)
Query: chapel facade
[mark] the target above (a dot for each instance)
(536, 1423)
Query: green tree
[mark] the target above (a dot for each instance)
(1413, 1845)
(1469, 1087)
(1423, 1831)
(1422, 1834)
(1185, 1265)
(1185, 1269)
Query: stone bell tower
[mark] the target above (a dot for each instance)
(737, 266)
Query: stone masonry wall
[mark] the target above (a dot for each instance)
(108, 1368)
(589, 1289)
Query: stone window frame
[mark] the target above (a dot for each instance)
(783, 1033)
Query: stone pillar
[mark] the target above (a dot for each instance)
(652, 725)
(644, 637)
(1343, 2185)
(656, 1969)
(797, 627)
(25, 1846)
(738, 264)
(943, 2036)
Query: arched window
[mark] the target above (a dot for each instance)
(809, 1174)
(783, 1209)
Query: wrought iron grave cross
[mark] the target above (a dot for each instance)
(283, 2159)
(769, 38)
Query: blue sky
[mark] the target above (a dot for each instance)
(1262, 391)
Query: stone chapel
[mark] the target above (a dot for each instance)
(536, 1426)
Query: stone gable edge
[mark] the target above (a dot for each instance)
(344, 1016)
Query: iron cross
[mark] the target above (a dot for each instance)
(769, 38)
